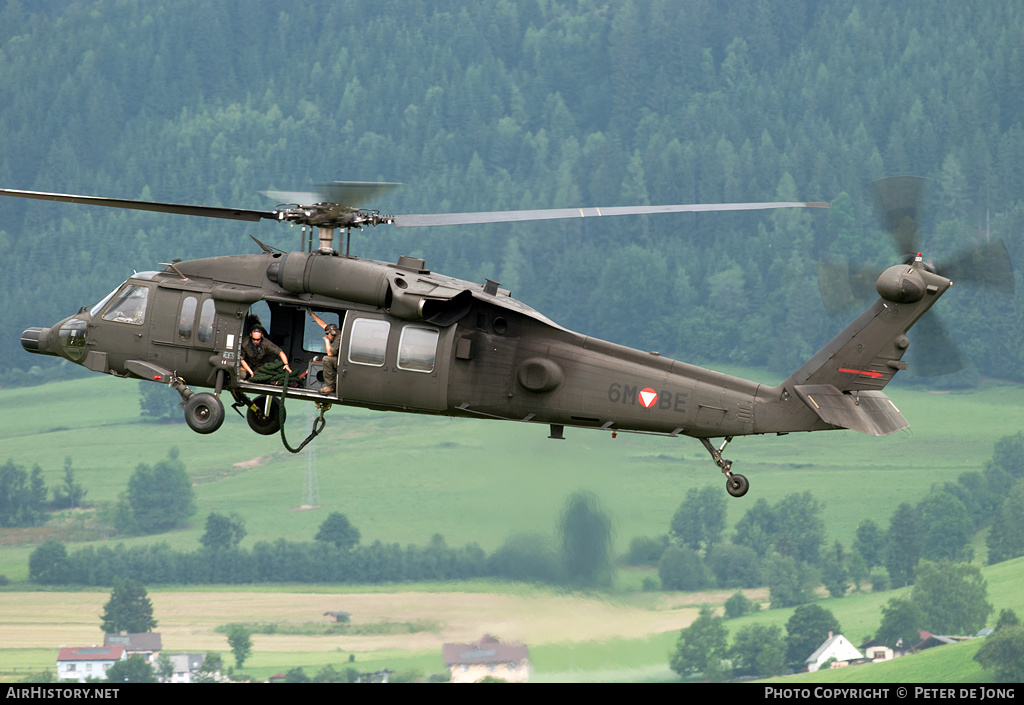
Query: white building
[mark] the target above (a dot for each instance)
(77, 663)
(836, 647)
(185, 667)
(879, 653)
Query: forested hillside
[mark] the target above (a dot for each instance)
(531, 104)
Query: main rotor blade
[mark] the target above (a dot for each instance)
(178, 208)
(345, 193)
(898, 201)
(408, 221)
(355, 191)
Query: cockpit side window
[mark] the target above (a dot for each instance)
(206, 316)
(128, 305)
(187, 318)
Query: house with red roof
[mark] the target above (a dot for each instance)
(77, 663)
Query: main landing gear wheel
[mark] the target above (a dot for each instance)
(204, 413)
(736, 485)
(267, 420)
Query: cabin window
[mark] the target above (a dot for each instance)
(128, 306)
(205, 334)
(417, 349)
(369, 342)
(187, 318)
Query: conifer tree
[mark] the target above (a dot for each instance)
(129, 609)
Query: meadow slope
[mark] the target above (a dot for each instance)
(402, 478)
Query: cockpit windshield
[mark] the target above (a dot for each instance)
(103, 302)
(128, 305)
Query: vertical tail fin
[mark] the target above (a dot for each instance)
(869, 352)
(840, 386)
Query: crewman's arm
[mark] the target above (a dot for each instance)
(319, 321)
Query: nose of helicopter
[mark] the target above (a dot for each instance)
(36, 340)
(66, 339)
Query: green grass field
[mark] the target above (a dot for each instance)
(572, 637)
(402, 478)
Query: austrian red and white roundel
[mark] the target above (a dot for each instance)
(648, 397)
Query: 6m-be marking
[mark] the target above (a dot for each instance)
(630, 394)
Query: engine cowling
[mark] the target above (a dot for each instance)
(403, 291)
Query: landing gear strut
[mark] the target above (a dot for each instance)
(264, 415)
(735, 484)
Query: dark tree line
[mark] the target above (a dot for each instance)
(336, 556)
(526, 105)
(266, 562)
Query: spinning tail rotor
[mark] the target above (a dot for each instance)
(844, 284)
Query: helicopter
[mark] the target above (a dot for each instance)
(414, 340)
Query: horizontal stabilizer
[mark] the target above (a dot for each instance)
(866, 411)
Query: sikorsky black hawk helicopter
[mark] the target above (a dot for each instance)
(417, 341)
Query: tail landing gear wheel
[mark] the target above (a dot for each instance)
(204, 413)
(736, 485)
(266, 421)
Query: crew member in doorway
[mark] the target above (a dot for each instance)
(257, 351)
(332, 342)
